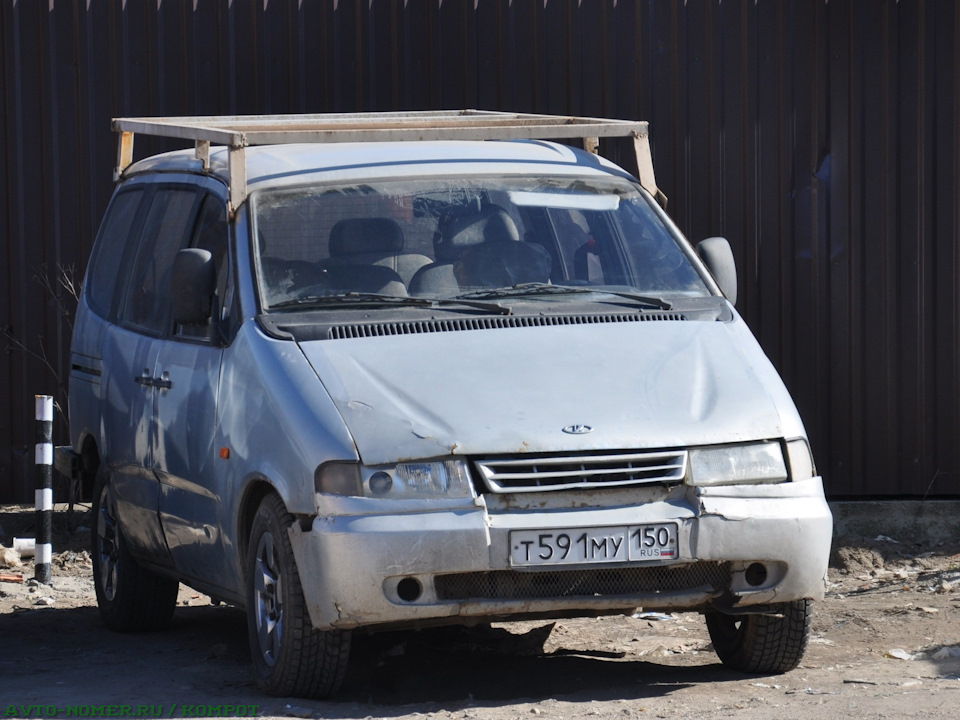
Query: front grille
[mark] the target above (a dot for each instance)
(601, 582)
(531, 473)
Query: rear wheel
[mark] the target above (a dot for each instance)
(130, 597)
(765, 644)
(290, 657)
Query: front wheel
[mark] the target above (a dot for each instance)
(764, 644)
(290, 657)
(130, 597)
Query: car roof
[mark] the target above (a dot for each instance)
(294, 164)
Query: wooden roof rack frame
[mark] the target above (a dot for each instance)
(240, 132)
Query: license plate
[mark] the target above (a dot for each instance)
(578, 546)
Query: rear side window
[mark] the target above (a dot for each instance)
(112, 247)
(148, 305)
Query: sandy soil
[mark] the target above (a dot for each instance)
(886, 644)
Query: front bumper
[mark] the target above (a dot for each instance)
(361, 569)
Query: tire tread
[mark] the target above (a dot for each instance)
(312, 663)
(763, 644)
(144, 600)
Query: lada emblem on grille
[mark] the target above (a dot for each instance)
(577, 429)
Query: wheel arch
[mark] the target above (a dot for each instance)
(89, 465)
(253, 495)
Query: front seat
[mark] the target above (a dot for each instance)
(480, 249)
(373, 241)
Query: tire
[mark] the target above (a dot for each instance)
(130, 597)
(290, 657)
(762, 644)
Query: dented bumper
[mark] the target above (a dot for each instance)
(737, 546)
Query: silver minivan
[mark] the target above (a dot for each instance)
(369, 381)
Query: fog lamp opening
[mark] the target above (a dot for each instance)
(409, 589)
(756, 574)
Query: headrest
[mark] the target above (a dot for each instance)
(491, 224)
(365, 235)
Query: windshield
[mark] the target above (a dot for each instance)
(450, 238)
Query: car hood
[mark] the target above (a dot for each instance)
(521, 390)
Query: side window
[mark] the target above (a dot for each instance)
(113, 247)
(210, 233)
(148, 304)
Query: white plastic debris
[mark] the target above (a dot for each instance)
(948, 651)
(25, 546)
(811, 691)
(9, 558)
(653, 616)
(899, 654)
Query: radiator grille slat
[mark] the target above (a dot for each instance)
(542, 473)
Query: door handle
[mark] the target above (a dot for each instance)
(147, 380)
(163, 382)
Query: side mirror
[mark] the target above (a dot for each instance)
(193, 284)
(718, 257)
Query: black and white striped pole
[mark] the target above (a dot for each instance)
(44, 495)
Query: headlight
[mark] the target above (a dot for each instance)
(416, 480)
(737, 464)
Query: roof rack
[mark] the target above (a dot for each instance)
(239, 132)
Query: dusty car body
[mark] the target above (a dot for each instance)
(394, 384)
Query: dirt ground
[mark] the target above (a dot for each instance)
(885, 644)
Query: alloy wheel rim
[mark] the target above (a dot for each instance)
(268, 600)
(107, 546)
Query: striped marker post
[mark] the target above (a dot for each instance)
(44, 462)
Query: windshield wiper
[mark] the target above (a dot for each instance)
(365, 298)
(530, 289)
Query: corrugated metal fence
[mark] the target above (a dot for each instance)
(821, 138)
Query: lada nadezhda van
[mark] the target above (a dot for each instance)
(417, 383)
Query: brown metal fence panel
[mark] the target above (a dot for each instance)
(821, 138)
